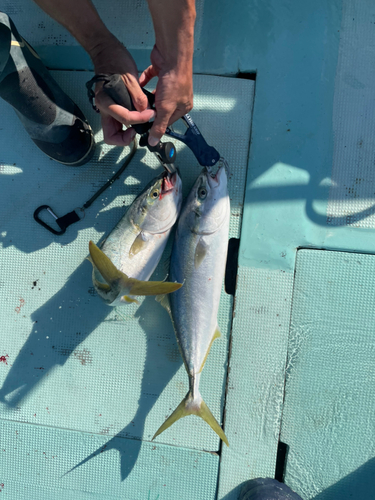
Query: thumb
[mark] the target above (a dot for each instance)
(159, 126)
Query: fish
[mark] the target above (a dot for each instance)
(198, 261)
(133, 249)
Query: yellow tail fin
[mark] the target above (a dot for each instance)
(132, 286)
(189, 406)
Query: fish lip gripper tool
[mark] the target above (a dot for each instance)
(206, 155)
(114, 86)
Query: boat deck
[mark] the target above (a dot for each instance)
(284, 90)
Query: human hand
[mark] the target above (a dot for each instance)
(173, 93)
(111, 57)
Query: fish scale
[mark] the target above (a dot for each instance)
(133, 249)
(198, 261)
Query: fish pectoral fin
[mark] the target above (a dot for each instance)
(139, 244)
(200, 252)
(105, 266)
(198, 407)
(137, 287)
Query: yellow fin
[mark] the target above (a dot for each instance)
(217, 333)
(200, 253)
(138, 245)
(152, 287)
(102, 286)
(190, 407)
(104, 264)
(133, 286)
(215, 336)
(129, 300)
(165, 302)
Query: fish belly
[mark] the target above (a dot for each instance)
(195, 306)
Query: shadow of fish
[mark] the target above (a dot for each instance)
(131, 252)
(198, 260)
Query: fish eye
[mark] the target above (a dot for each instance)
(155, 194)
(202, 193)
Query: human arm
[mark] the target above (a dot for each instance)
(171, 62)
(109, 56)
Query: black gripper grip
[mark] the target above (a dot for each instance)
(117, 91)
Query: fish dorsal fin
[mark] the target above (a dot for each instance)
(200, 252)
(139, 244)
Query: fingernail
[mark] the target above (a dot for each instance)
(153, 140)
(133, 133)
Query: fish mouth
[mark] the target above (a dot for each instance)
(215, 181)
(168, 183)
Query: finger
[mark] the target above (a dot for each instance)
(176, 116)
(159, 126)
(130, 117)
(107, 106)
(114, 134)
(139, 99)
(181, 110)
(147, 75)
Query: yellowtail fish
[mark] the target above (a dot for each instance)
(198, 260)
(131, 252)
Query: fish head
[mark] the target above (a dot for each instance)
(207, 206)
(159, 204)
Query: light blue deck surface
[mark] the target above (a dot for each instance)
(107, 377)
(299, 194)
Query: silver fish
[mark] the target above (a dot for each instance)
(131, 252)
(198, 260)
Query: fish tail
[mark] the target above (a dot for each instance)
(193, 406)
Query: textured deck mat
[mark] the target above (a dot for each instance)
(69, 361)
(329, 393)
(351, 199)
(41, 463)
(256, 377)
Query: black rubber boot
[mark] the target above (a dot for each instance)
(53, 121)
(267, 489)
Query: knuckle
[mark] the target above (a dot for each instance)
(189, 104)
(189, 107)
(109, 140)
(140, 102)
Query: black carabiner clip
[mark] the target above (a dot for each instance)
(63, 222)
